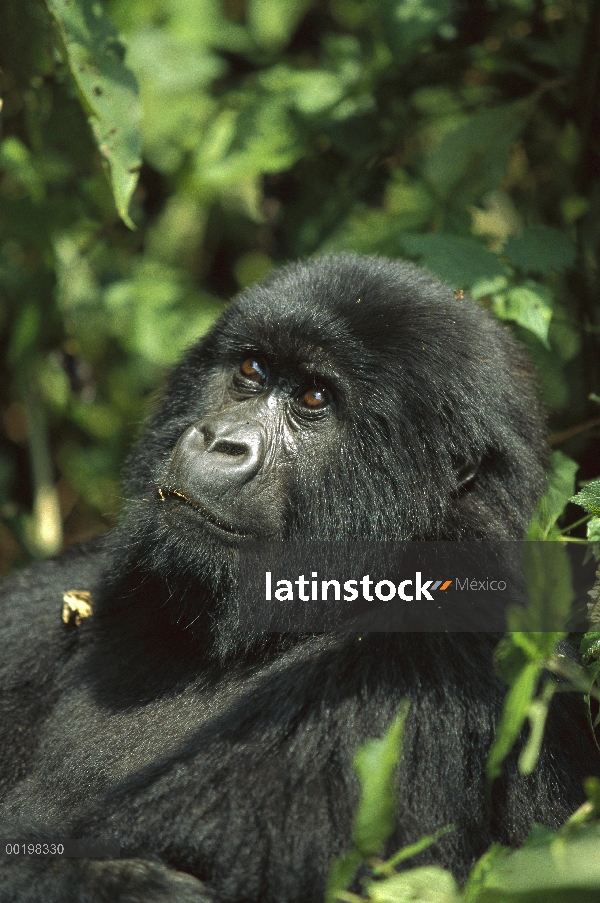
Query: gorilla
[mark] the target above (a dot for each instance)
(344, 398)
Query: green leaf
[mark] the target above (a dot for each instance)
(409, 23)
(538, 645)
(375, 764)
(593, 530)
(592, 791)
(589, 498)
(245, 144)
(372, 231)
(529, 305)
(488, 287)
(548, 576)
(175, 78)
(413, 849)
(472, 158)
(514, 713)
(537, 715)
(458, 260)
(310, 91)
(561, 867)
(108, 90)
(342, 874)
(430, 884)
(559, 490)
(272, 22)
(517, 648)
(541, 249)
(26, 333)
(19, 162)
(482, 868)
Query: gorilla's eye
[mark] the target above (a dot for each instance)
(254, 369)
(315, 398)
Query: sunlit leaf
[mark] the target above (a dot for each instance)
(559, 490)
(529, 305)
(549, 868)
(589, 498)
(272, 22)
(108, 89)
(375, 764)
(513, 716)
(429, 884)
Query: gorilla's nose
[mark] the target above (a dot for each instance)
(237, 448)
(216, 456)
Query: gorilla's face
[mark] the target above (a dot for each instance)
(343, 398)
(231, 472)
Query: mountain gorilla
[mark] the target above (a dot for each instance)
(343, 398)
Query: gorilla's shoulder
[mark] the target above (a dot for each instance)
(41, 581)
(31, 599)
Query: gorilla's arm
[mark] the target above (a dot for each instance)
(34, 647)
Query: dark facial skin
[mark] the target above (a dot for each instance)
(232, 469)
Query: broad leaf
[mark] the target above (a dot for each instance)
(375, 764)
(107, 88)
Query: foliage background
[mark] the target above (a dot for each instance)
(463, 134)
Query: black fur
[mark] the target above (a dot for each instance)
(155, 724)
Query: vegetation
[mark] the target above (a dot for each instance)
(551, 867)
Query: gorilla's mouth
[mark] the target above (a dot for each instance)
(208, 516)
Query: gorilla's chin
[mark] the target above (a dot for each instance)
(183, 513)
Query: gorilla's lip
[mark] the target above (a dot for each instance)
(210, 517)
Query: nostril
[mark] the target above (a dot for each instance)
(207, 434)
(229, 442)
(233, 449)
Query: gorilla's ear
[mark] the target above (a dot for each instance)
(466, 471)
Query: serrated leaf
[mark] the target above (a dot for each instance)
(589, 498)
(107, 88)
(460, 261)
(547, 571)
(529, 305)
(375, 764)
(541, 249)
(559, 490)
